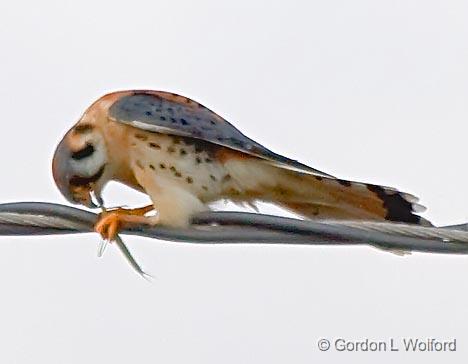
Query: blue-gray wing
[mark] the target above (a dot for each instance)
(172, 114)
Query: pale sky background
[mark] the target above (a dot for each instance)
(367, 90)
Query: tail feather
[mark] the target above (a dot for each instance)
(320, 197)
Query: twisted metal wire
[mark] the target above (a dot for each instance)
(39, 218)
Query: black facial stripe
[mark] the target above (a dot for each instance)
(83, 181)
(83, 153)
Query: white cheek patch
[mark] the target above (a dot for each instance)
(89, 166)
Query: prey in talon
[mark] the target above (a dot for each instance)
(184, 157)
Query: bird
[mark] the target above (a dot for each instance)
(184, 157)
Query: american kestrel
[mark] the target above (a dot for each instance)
(184, 157)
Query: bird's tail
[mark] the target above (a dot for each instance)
(320, 197)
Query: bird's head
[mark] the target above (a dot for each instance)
(79, 165)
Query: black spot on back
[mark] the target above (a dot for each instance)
(344, 182)
(141, 137)
(154, 145)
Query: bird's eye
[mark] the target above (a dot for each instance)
(83, 153)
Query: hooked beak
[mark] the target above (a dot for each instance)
(96, 200)
(87, 197)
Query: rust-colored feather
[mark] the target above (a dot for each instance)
(316, 196)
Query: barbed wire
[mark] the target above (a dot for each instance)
(219, 227)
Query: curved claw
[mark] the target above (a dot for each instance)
(109, 225)
(111, 222)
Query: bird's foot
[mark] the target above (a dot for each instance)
(111, 222)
